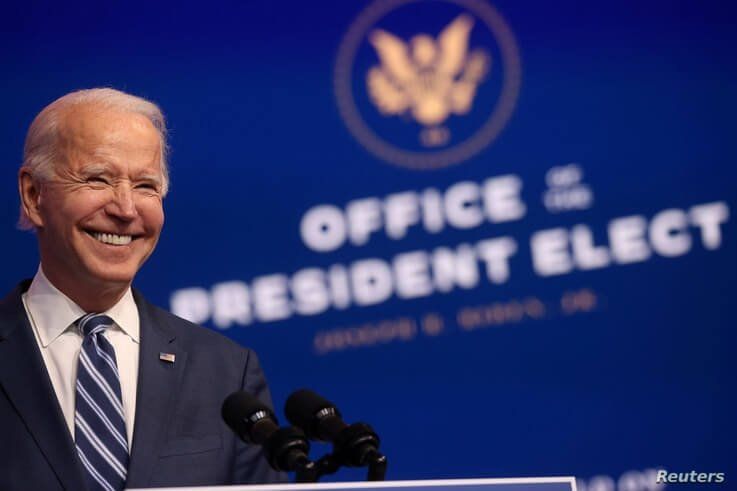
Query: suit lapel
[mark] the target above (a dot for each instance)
(158, 384)
(24, 379)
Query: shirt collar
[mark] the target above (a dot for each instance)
(53, 312)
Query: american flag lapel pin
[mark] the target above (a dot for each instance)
(167, 357)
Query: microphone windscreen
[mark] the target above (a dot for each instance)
(302, 407)
(241, 411)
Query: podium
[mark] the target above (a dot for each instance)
(502, 484)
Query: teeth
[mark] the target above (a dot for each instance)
(112, 238)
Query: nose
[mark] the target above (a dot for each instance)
(122, 205)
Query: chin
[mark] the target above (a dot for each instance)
(113, 275)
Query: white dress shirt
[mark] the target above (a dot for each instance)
(52, 315)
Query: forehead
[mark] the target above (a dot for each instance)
(87, 131)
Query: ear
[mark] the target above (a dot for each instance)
(30, 197)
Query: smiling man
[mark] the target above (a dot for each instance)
(98, 388)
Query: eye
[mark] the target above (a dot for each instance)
(98, 180)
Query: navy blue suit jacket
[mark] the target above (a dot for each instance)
(179, 438)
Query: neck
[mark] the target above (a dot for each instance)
(98, 297)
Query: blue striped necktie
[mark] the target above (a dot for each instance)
(99, 423)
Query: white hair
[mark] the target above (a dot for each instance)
(40, 149)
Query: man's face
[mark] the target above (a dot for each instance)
(101, 213)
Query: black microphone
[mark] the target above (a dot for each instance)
(286, 449)
(354, 445)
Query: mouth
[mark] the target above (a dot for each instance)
(111, 239)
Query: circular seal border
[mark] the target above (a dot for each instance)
(466, 149)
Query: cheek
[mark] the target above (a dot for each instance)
(153, 216)
(68, 209)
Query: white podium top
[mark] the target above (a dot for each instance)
(497, 484)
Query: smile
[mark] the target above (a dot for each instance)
(112, 239)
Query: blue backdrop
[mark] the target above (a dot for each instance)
(583, 343)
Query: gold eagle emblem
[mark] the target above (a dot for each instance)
(427, 78)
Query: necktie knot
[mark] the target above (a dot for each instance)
(92, 324)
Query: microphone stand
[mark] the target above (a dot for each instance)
(376, 467)
(307, 471)
(356, 446)
(330, 464)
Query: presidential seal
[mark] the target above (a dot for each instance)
(427, 84)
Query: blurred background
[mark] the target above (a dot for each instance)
(500, 232)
